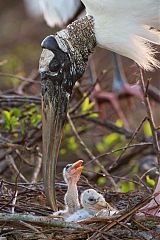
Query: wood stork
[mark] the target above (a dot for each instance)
(71, 175)
(92, 202)
(125, 27)
(58, 13)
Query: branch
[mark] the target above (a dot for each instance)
(10, 159)
(112, 127)
(38, 164)
(154, 93)
(150, 119)
(29, 80)
(39, 220)
(22, 99)
(89, 153)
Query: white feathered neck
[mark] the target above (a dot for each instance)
(126, 27)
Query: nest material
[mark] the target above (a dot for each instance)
(24, 215)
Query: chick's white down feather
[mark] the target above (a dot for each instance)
(126, 27)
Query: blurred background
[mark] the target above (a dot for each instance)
(21, 33)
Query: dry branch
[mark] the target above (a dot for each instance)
(150, 118)
(89, 153)
(39, 220)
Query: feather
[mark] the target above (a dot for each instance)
(59, 12)
(128, 28)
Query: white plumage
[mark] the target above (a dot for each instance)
(59, 12)
(93, 204)
(124, 26)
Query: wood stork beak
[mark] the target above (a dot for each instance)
(57, 81)
(62, 63)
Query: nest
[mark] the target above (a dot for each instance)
(25, 215)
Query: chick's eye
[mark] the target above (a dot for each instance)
(91, 199)
(68, 166)
(54, 65)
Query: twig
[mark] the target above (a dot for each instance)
(126, 147)
(14, 146)
(78, 104)
(21, 99)
(38, 164)
(150, 119)
(10, 159)
(124, 216)
(14, 201)
(154, 93)
(34, 74)
(89, 153)
(48, 221)
(131, 212)
(112, 127)
(31, 227)
(19, 77)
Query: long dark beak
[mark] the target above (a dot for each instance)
(57, 84)
(53, 124)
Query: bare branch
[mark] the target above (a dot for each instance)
(38, 164)
(89, 153)
(48, 221)
(10, 159)
(151, 119)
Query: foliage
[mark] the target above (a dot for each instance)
(127, 186)
(112, 140)
(147, 129)
(17, 119)
(150, 181)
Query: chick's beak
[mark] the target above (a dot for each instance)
(77, 167)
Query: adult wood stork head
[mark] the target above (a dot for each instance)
(125, 27)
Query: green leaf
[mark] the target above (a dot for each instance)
(147, 129)
(14, 121)
(119, 123)
(72, 145)
(101, 180)
(7, 116)
(16, 112)
(63, 151)
(67, 128)
(87, 105)
(93, 115)
(150, 181)
(127, 186)
(111, 138)
(35, 119)
(101, 147)
(23, 128)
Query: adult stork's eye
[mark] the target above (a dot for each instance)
(54, 65)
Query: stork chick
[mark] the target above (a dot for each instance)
(93, 204)
(71, 175)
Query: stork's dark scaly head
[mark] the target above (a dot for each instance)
(62, 62)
